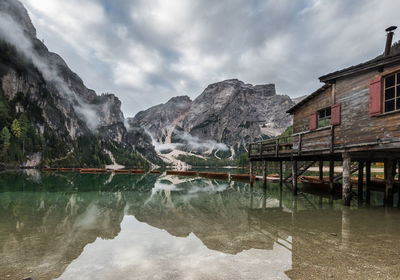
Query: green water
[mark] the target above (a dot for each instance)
(73, 226)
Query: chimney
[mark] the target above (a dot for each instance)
(389, 38)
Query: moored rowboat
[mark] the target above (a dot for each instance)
(312, 185)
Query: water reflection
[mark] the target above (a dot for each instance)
(72, 226)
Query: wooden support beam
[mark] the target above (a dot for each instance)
(346, 192)
(294, 175)
(281, 173)
(321, 170)
(331, 174)
(360, 180)
(265, 174)
(368, 181)
(251, 174)
(398, 185)
(389, 181)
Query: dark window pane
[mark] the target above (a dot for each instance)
(321, 114)
(389, 106)
(389, 81)
(398, 91)
(328, 111)
(389, 93)
(398, 78)
(398, 104)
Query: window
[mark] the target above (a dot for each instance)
(392, 93)
(324, 117)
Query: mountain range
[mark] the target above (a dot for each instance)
(49, 117)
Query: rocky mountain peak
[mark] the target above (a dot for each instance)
(180, 99)
(17, 11)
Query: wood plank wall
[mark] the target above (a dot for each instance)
(356, 125)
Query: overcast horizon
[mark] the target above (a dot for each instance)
(146, 52)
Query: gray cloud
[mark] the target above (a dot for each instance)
(148, 51)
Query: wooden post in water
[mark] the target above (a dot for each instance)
(331, 175)
(368, 181)
(360, 180)
(398, 184)
(265, 174)
(251, 174)
(280, 173)
(389, 180)
(346, 192)
(321, 170)
(294, 175)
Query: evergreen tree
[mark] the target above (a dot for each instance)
(16, 128)
(24, 125)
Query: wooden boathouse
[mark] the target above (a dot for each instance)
(354, 118)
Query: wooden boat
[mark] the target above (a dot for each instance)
(214, 175)
(66, 169)
(183, 173)
(155, 172)
(312, 185)
(49, 169)
(92, 171)
(137, 171)
(122, 171)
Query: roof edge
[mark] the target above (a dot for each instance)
(366, 66)
(309, 97)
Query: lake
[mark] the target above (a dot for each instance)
(84, 226)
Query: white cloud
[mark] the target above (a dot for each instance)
(148, 51)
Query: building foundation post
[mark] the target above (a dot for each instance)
(251, 174)
(389, 181)
(294, 175)
(331, 175)
(360, 181)
(321, 170)
(368, 181)
(346, 192)
(265, 174)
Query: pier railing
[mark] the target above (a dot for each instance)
(321, 139)
(274, 146)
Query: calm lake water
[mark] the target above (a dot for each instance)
(73, 226)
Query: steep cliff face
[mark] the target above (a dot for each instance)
(235, 113)
(229, 112)
(39, 84)
(161, 120)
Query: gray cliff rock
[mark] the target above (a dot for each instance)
(229, 112)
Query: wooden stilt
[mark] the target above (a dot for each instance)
(280, 174)
(331, 174)
(265, 174)
(389, 180)
(398, 185)
(360, 180)
(294, 176)
(321, 170)
(368, 181)
(346, 192)
(251, 174)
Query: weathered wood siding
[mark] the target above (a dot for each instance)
(301, 116)
(319, 139)
(356, 126)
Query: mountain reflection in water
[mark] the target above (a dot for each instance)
(73, 226)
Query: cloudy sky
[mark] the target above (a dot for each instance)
(147, 51)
